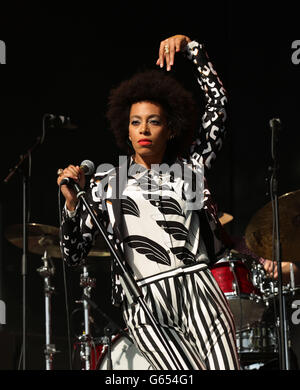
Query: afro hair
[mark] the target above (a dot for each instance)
(154, 86)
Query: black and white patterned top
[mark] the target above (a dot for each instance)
(155, 223)
(160, 230)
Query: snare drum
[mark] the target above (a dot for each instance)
(257, 344)
(258, 339)
(233, 275)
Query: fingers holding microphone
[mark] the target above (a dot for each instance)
(75, 173)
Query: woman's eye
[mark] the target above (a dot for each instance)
(155, 122)
(135, 123)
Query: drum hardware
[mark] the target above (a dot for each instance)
(110, 330)
(274, 222)
(267, 286)
(46, 271)
(85, 340)
(42, 240)
(235, 286)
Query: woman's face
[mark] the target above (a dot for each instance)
(148, 132)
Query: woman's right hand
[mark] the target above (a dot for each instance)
(173, 44)
(75, 173)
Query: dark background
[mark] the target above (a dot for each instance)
(65, 60)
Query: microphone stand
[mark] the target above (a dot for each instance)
(128, 280)
(26, 213)
(25, 220)
(283, 339)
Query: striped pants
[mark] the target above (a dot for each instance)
(194, 317)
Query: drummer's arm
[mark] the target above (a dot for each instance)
(272, 270)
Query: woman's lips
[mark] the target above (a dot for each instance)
(145, 142)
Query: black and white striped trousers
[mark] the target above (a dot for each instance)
(194, 317)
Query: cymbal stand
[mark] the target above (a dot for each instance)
(46, 271)
(275, 126)
(85, 339)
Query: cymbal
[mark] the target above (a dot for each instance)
(40, 238)
(259, 232)
(225, 218)
(99, 249)
(45, 237)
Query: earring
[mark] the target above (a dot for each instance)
(171, 136)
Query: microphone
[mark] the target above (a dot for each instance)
(60, 121)
(86, 166)
(275, 124)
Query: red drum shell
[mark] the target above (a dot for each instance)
(229, 273)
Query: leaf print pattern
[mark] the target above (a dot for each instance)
(184, 255)
(147, 183)
(168, 206)
(149, 248)
(130, 207)
(176, 229)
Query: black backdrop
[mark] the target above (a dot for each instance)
(64, 60)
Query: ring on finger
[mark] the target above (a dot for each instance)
(167, 50)
(60, 171)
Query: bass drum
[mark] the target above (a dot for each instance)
(124, 356)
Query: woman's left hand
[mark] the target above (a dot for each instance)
(168, 47)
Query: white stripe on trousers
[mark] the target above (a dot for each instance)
(194, 317)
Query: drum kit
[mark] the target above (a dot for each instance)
(250, 292)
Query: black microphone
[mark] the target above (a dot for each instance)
(275, 125)
(60, 121)
(86, 166)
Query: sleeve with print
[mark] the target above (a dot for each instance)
(77, 228)
(210, 135)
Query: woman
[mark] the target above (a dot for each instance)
(161, 216)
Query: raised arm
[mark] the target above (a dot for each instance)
(211, 133)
